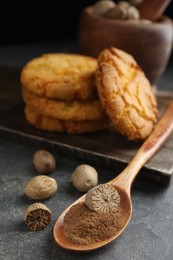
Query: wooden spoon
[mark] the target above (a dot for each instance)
(122, 183)
(153, 9)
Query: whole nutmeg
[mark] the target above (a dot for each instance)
(123, 4)
(117, 12)
(133, 13)
(44, 162)
(84, 177)
(101, 7)
(41, 187)
(123, 7)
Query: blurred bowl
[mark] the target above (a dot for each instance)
(150, 43)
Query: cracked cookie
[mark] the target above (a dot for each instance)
(69, 126)
(78, 110)
(126, 94)
(60, 75)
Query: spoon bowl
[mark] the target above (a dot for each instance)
(122, 183)
(62, 241)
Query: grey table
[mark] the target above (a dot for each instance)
(150, 232)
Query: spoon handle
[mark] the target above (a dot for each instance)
(153, 9)
(151, 145)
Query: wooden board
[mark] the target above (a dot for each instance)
(106, 148)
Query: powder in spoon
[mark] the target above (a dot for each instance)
(85, 226)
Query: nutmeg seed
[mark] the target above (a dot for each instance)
(116, 13)
(101, 7)
(44, 162)
(84, 177)
(133, 13)
(41, 187)
(123, 4)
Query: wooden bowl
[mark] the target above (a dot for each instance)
(150, 43)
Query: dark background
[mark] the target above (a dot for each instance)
(43, 21)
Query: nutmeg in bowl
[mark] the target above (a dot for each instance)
(150, 43)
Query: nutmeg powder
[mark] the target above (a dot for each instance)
(85, 226)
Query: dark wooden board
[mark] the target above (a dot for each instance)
(106, 148)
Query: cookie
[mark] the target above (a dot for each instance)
(69, 126)
(126, 94)
(60, 75)
(72, 110)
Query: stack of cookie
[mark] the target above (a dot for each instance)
(60, 94)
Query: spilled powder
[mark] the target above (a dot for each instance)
(85, 226)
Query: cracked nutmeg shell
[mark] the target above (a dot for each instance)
(103, 198)
(37, 216)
